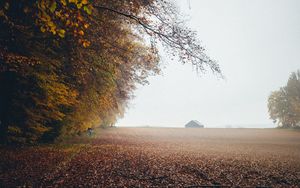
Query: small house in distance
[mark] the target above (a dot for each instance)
(194, 124)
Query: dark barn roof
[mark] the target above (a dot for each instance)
(194, 124)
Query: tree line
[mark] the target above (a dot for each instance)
(67, 65)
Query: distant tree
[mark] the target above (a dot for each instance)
(284, 104)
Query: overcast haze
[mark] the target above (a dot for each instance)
(257, 44)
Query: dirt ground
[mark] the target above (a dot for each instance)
(159, 157)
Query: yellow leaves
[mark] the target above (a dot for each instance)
(68, 22)
(63, 2)
(87, 9)
(61, 33)
(73, 1)
(43, 29)
(51, 24)
(39, 128)
(59, 17)
(57, 94)
(44, 16)
(84, 2)
(53, 6)
(42, 4)
(59, 14)
(52, 27)
(14, 130)
(79, 5)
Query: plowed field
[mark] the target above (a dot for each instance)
(159, 157)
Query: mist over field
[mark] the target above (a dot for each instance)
(257, 45)
(228, 126)
(150, 93)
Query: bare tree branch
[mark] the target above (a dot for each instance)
(177, 39)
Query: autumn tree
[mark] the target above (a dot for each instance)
(66, 65)
(284, 104)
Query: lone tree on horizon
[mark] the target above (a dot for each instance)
(284, 104)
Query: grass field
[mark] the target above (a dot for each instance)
(159, 157)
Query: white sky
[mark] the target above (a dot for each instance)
(257, 44)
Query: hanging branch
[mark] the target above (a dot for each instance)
(178, 40)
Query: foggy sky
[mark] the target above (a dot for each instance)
(256, 43)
